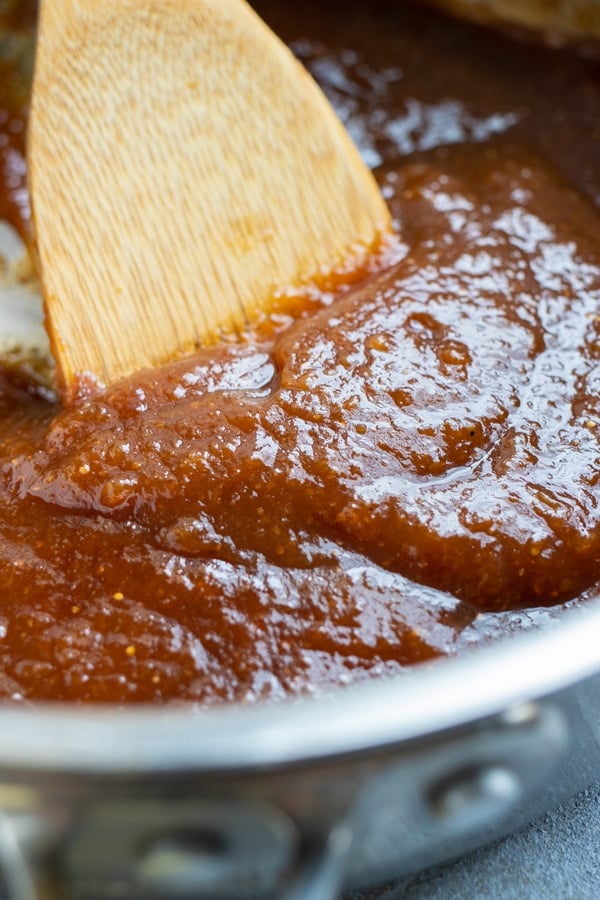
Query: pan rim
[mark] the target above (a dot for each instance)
(371, 716)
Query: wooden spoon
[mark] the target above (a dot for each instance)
(183, 168)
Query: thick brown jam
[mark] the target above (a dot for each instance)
(390, 473)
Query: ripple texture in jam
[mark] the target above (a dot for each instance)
(273, 518)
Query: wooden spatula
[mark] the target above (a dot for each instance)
(183, 168)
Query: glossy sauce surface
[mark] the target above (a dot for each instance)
(385, 477)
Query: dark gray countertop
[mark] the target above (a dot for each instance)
(555, 858)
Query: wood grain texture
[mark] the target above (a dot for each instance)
(184, 168)
(559, 20)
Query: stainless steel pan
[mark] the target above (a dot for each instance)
(300, 799)
(295, 799)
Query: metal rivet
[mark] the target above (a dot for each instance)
(475, 794)
(200, 857)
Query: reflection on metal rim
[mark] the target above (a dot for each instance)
(382, 713)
